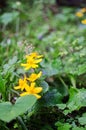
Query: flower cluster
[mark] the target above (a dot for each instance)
(28, 84)
(81, 13)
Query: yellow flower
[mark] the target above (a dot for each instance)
(83, 10)
(83, 21)
(32, 90)
(22, 84)
(34, 55)
(79, 14)
(34, 76)
(32, 61)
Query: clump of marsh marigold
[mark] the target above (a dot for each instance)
(28, 84)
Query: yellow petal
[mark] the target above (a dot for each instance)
(23, 64)
(30, 88)
(37, 96)
(34, 55)
(37, 89)
(24, 93)
(39, 74)
(27, 88)
(33, 84)
(37, 61)
(17, 87)
(34, 66)
(27, 66)
(34, 76)
(83, 21)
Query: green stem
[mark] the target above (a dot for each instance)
(63, 83)
(73, 81)
(22, 123)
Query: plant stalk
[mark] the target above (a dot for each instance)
(22, 123)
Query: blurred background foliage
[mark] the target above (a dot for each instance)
(54, 31)
(46, 27)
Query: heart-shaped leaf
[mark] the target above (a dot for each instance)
(10, 111)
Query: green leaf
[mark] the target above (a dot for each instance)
(77, 99)
(9, 67)
(61, 106)
(82, 69)
(49, 70)
(2, 86)
(45, 86)
(10, 111)
(6, 18)
(78, 128)
(82, 120)
(52, 97)
(63, 126)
